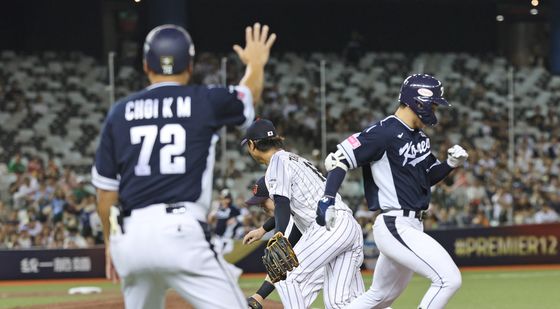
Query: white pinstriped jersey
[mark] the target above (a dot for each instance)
(297, 179)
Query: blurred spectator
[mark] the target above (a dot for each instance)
(52, 171)
(34, 166)
(56, 239)
(73, 239)
(24, 240)
(16, 165)
(546, 215)
(23, 192)
(58, 204)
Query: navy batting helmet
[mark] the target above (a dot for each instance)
(419, 92)
(168, 50)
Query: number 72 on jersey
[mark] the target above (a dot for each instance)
(171, 155)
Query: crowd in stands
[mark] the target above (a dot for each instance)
(46, 199)
(47, 206)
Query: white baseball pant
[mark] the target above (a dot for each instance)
(406, 249)
(159, 250)
(339, 252)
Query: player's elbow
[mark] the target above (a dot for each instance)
(336, 159)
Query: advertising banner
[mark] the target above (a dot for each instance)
(52, 263)
(507, 245)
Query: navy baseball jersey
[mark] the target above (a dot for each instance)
(222, 217)
(157, 145)
(396, 160)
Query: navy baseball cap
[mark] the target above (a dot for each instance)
(260, 129)
(260, 193)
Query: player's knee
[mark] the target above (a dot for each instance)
(451, 282)
(454, 281)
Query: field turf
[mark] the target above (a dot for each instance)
(482, 288)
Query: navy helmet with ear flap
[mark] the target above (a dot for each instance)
(419, 92)
(168, 50)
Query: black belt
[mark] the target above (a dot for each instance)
(169, 208)
(418, 214)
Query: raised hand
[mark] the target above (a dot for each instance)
(257, 45)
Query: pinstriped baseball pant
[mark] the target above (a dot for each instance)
(406, 249)
(339, 252)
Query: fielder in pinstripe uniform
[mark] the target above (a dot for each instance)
(399, 169)
(296, 186)
(261, 198)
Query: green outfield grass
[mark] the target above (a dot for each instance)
(48, 293)
(485, 289)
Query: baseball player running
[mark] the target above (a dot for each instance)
(398, 171)
(295, 186)
(155, 160)
(261, 198)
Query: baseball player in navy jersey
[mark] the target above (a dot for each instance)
(261, 198)
(155, 160)
(296, 186)
(225, 221)
(398, 170)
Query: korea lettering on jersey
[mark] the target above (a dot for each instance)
(167, 132)
(395, 160)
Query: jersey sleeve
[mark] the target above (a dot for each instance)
(433, 161)
(438, 170)
(234, 212)
(278, 178)
(232, 106)
(104, 173)
(364, 147)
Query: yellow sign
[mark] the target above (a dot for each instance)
(493, 246)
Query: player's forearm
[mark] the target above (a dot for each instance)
(334, 181)
(438, 172)
(106, 199)
(269, 224)
(254, 80)
(281, 213)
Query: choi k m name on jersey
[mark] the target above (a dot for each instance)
(179, 107)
